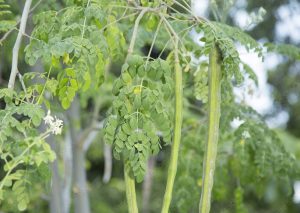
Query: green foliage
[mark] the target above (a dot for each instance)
(240, 36)
(201, 83)
(266, 158)
(67, 88)
(225, 36)
(80, 39)
(258, 154)
(284, 49)
(250, 73)
(140, 111)
(114, 38)
(5, 23)
(16, 107)
(22, 148)
(238, 198)
(230, 57)
(26, 191)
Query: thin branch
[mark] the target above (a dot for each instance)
(42, 93)
(15, 56)
(88, 135)
(214, 9)
(91, 136)
(175, 18)
(183, 36)
(84, 22)
(30, 37)
(189, 6)
(122, 6)
(199, 19)
(153, 42)
(23, 85)
(171, 31)
(176, 11)
(8, 33)
(35, 6)
(164, 48)
(135, 31)
(117, 20)
(189, 10)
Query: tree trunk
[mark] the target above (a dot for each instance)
(56, 205)
(147, 185)
(67, 177)
(81, 200)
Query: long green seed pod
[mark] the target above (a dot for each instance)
(177, 134)
(130, 189)
(214, 99)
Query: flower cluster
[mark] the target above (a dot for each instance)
(246, 135)
(55, 124)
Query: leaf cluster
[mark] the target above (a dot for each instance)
(80, 40)
(140, 112)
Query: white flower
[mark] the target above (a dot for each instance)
(56, 127)
(48, 119)
(58, 122)
(55, 124)
(56, 130)
(246, 135)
